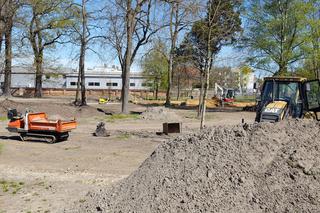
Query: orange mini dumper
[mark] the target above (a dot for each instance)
(37, 126)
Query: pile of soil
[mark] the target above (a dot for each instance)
(7, 104)
(160, 113)
(54, 110)
(251, 168)
(101, 130)
(210, 103)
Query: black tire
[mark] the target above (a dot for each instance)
(51, 139)
(62, 136)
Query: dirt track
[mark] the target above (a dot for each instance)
(55, 176)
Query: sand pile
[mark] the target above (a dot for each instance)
(160, 113)
(210, 103)
(256, 168)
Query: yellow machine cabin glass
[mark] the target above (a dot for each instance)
(276, 90)
(313, 95)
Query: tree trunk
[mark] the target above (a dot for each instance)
(201, 93)
(208, 66)
(82, 74)
(39, 73)
(125, 86)
(154, 88)
(8, 57)
(173, 35)
(283, 70)
(37, 46)
(178, 87)
(204, 99)
(83, 54)
(170, 68)
(157, 89)
(1, 39)
(77, 98)
(127, 62)
(2, 27)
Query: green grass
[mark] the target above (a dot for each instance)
(124, 136)
(115, 117)
(82, 201)
(250, 98)
(11, 186)
(154, 98)
(3, 118)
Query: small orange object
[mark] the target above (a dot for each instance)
(16, 124)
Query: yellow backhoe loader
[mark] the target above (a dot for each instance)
(284, 97)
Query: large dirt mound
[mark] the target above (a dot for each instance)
(255, 168)
(160, 113)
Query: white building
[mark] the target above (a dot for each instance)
(97, 78)
(106, 78)
(24, 77)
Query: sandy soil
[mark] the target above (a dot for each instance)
(251, 168)
(39, 177)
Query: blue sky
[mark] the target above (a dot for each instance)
(66, 55)
(228, 56)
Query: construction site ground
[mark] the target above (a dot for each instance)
(40, 177)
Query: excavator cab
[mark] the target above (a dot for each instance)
(312, 97)
(283, 97)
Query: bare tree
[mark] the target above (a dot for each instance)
(130, 27)
(44, 30)
(191, 51)
(83, 34)
(8, 11)
(181, 16)
(218, 27)
(83, 37)
(2, 22)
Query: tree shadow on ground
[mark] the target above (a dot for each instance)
(18, 139)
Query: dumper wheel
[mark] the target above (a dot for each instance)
(22, 137)
(51, 139)
(62, 136)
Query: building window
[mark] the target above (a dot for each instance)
(73, 83)
(97, 84)
(112, 84)
(132, 84)
(147, 84)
